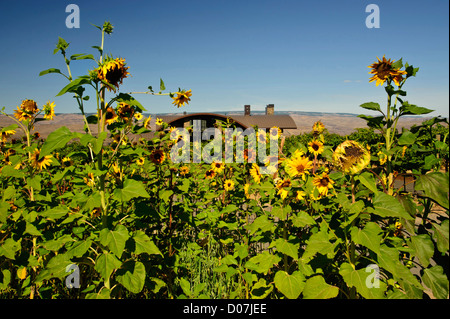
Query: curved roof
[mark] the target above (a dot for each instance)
(282, 121)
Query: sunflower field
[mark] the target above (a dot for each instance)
(110, 215)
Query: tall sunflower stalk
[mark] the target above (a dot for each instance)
(390, 72)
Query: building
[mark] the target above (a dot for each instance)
(264, 121)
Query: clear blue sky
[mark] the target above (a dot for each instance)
(299, 55)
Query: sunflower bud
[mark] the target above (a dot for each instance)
(108, 27)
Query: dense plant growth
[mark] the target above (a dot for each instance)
(328, 223)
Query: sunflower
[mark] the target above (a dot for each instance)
(125, 111)
(255, 173)
(318, 127)
(323, 183)
(159, 121)
(184, 170)
(281, 185)
(89, 180)
(138, 116)
(261, 136)
(147, 122)
(383, 70)
(182, 98)
(351, 157)
(49, 111)
(140, 161)
(40, 163)
(113, 71)
(210, 173)
(217, 167)
(300, 195)
(110, 116)
(315, 147)
(228, 185)
(298, 166)
(274, 132)
(157, 156)
(27, 110)
(5, 134)
(66, 162)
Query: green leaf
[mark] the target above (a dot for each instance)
(52, 70)
(185, 286)
(5, 279)
(261, 289)
(436, 279)
(435, 186)
(74, 85)
(440, 235)
(287, 248)
(131, 189)
(302, 219)
(317, 288)
(388, 206)
(55, 213)
(318, 243)
(388, 258)
(162, 87)
(262, 222)
(132, 276)
(55, 268)
(115, 239)
(9, 248)
(79, 248)
(105, 264)
(82, 56)
(290, 285)
(412, 109)
(128, 99)
(367, 180)
(359, 279)
(144, 244)
(9, 128)
(371, 106)
(369, 236)
(407, 138)
(263, 262)
(423, 247)
(57, 139)
(375, 122)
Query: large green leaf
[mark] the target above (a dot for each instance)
(440, 235)
(143, 244)
(290, 285)
(262, 262)
(388, 258)
(318, 243)
(132, 276)
(368, 180)
(131, 189)
(56, 139)
(388, 206)
(371, 106)
(55, 268)
(407, 108)
(105, 264)
(359, 279)
(9, 248)
(55, 213)
(369, 236)
(435, 279)
(435, 185)
(114, 239)
(286, 247)
(423, 247)
(407, 138)
(317, 288)
(74, 85)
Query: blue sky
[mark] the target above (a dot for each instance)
(298, 55)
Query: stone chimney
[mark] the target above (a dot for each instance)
(270, 109)
(247, 110)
